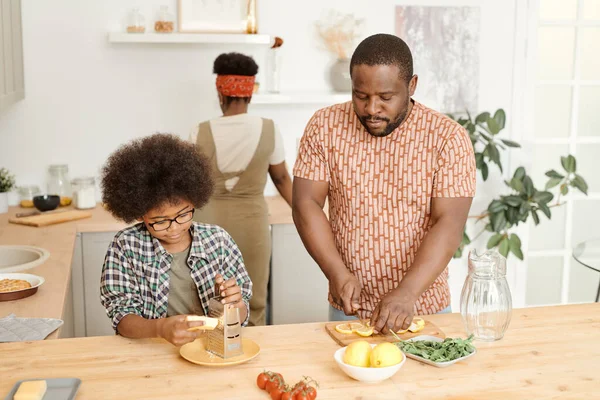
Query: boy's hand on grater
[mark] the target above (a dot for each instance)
(175, 330)
(229, 290)
(231, 294)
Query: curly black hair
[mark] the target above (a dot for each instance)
(235, 64)
(154, 170)
(384, 49)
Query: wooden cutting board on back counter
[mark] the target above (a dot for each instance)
(51, 219)
(343, 339)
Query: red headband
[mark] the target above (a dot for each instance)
(235, 85)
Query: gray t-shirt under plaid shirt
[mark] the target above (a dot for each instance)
(135, 275)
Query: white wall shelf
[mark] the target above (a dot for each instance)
(190, 38)
(325, 98)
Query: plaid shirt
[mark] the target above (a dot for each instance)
(135, 275)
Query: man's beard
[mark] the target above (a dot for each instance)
(390, 127)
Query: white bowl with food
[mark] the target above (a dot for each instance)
(367, 374)
(15, 286)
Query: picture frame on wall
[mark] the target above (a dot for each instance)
(212, 16)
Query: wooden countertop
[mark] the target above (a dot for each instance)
(59, 240)
(548, 352)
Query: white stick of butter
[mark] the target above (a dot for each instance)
(31, 390)
(209, 323)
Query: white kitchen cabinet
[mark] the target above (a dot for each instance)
(12, 88)
(298, 287)
(89, 314)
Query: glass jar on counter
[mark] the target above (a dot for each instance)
(485, 301)
(84, 192)
(26, 195)
(136, 22)
(165, 21)
(60, 184)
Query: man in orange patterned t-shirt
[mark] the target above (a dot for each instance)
(399, 178)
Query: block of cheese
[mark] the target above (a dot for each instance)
(31, 390)
(209, 323)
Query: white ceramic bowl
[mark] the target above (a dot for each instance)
(369, 375)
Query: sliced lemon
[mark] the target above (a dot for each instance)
(355, 325)
(364, 331)
(344, 328)
(415, 327)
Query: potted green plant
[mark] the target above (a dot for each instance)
(523, 199)
(7, 183)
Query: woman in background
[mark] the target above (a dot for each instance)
(243, 149)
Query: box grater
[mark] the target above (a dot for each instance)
(225, 340)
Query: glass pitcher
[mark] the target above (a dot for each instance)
(485, 301)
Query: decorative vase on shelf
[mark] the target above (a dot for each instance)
(3, 202)
(339, 76)
(251, 23)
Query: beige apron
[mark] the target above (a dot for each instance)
(243, 211)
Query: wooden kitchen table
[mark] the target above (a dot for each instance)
(548, 352)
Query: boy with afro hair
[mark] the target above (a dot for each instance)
(165, 267)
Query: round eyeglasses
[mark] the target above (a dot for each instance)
(166, 223)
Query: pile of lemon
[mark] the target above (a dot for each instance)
(365, 329)
(361, 354)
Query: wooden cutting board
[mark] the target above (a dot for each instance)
(51, 219)
(342, 339)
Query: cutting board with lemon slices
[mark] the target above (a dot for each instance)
(349, 333)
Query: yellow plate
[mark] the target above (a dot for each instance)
(196, 353)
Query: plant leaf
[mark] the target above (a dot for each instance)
(466, 239)
(553, 182)
(564, 189)
(504, 247)
(515, 246)
(545, 209)
(513, 201)
(569, 163)
(535, 216)
(524, 209)
(494, 240)
(496, 206)
(510, 143)
(500, 118)
(512, 216)
(519, 173)
(479, 161)
(528, 186)
(580, 184)
(498, 221)
(494, 154)
(515, 240)
(493, 126)
(481, 118)
(488, 138)
(485, 171)
(543, 197)
(553, 174)
(517, 185)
